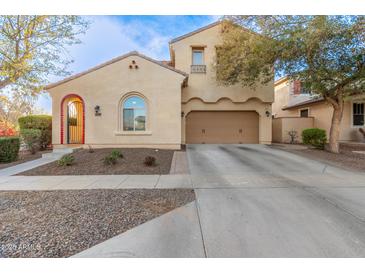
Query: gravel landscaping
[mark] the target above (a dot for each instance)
(63, 223)
(345, 159)
(24, 156)
(87, 163)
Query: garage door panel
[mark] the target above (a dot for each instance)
(224, 127)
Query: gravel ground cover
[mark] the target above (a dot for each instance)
(24, 156)
(87, 163)
(346, 160)
(63, 223)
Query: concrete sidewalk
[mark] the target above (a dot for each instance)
(243, 181)
(46, 158)
(175, 234)
(9, 171)
(94, 182)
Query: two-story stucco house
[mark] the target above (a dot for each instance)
(135, 101)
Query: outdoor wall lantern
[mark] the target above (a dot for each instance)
(267, 113)
(97, 111)
(182, 114)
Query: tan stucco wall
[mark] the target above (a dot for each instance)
(107, 86)
(321, 113)
(281, 99)
(203, 92)
(282, 126)
(277, 130)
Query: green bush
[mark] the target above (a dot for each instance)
(110, 159)
(315, 137)
(41, 122)
(150, 161)
(116, 153)
(66, 160)
(9, 149)
(31, 138)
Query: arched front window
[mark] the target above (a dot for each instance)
(134, 114)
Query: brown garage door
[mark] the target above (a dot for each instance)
(222, 127)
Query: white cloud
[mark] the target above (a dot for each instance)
(107, 38)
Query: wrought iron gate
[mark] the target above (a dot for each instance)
(74, 122)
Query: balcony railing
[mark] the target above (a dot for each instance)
(198, 68)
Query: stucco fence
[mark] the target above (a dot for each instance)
(283, 125)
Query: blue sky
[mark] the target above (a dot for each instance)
(111, 36)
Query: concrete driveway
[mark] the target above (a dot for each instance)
(257, 201)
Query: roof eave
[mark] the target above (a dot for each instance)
(179, 38)
(114, 60)
(281, 80)
(314, 101)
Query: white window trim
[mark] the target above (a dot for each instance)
(135, 133)
(309, 112)
(352, 112)
(120, 131)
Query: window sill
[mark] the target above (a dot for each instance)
(133, 133)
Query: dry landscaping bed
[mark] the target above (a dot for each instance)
(24, 156)
(65, 222)
(87, 163)
(345, 159)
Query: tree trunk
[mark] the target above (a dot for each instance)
(333, 145)
(4, 83)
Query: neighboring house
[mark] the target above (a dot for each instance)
(295, 108)
(135, 101)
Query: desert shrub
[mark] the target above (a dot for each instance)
(66, 160)
(110, 159)
(293, 135)
(116, 153)
(150, 161)
(31, 138)
(41, 122)
(315, 137)
(9, 149)
(90, 149)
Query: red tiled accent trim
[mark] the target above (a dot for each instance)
(83, 116)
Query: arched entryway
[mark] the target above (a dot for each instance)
(72, 120)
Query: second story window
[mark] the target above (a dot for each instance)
(198, 65)
(198, 57)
